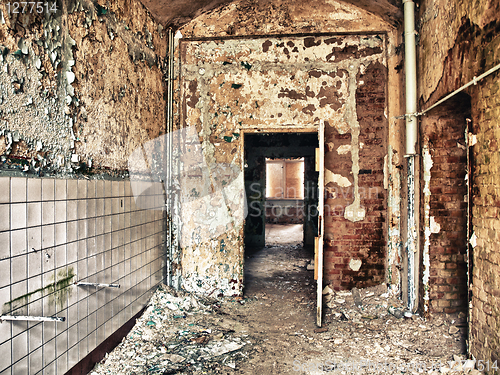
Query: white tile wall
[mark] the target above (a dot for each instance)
(54, 232)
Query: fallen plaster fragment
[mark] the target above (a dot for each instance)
(386, 173)
(472, 140)
(355, 264)
(434, 226)
(473, 240)
(70, 76)
(327, 290)
(336, 178)
(344, 149)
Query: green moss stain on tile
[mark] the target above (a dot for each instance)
(57, 291)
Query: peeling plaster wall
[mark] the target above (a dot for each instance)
(88, 81)
(80, 90)
(460, 40)
(356, 205)
(250, 17)
(272, 83)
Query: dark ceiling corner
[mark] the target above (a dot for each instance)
(175, 13)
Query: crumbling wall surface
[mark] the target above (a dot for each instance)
(485, 314)
(355, 209)
(260, 17)
(445, 210)
(459, 40)
(81, 88)
(230, 85)
(456, 43)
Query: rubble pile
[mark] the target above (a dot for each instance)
(366, 328)
(172, 336)
(272, 331)
(365, 304)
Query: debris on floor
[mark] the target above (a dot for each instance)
(172, 336)
(369, 333)
(272, 330)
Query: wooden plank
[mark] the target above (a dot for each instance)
(316, 249)
(321, 209)
(317, 160)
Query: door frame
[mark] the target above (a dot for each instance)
(320, 130)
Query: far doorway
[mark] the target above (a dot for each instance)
(281, 186)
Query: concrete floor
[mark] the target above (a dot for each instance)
(284, 234)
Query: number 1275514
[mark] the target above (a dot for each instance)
(24, 7)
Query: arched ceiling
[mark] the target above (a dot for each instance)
(175, 13)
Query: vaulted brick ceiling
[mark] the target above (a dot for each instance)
(175, 13)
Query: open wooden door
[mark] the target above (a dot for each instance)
(318, 243)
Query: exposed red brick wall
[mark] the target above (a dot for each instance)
(485, 313)
(364, 240)
(444, 134)
(448, 58)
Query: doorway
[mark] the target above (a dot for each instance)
(280, 200)
(281, 187)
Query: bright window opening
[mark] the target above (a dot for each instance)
(285, 178)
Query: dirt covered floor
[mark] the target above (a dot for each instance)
(272, 329)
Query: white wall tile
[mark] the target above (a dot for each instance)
(99, 189)
(4, 217)
(34, 214)
(34, 266)
(62, 363)
(19, 270)
(21, 367)
(60, 234)
(48, 189)
(60, 211)
(60, 254)
(60, 189)
(82, 189)
(4, 245)
(4, 189)
(48, 236)
(48, 212)
(34, 189)
(71, 231)
(18, 189)
(91, 188)
(72, 186)
(20, 346)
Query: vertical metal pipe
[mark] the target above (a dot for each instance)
(411, 142)
(410, 77)
(411, 234)
(169, 146)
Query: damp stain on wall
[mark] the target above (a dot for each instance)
(57, 291)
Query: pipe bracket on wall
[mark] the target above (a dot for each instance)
(32, 318)
(79, 283)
